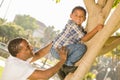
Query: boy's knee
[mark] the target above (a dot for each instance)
(83, 47)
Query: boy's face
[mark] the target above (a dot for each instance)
(78, 16)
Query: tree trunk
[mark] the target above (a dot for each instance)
(98, 13)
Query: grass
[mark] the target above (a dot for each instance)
(1, 69)
(1, 66)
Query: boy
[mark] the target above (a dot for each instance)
(73, 37)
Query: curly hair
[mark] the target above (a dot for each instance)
(79, 8)
(14, 46)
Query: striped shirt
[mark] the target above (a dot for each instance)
(70, 35)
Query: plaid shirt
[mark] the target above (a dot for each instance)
(70, 35)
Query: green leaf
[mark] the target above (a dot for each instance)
(57, 1)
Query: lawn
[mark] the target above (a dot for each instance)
(1, 69)
(2, 64)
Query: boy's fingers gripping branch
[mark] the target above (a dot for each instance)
(99, 27)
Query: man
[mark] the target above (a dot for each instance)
(18, 68)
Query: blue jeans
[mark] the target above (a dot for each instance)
(75, 52)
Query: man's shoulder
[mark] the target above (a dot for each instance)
(12, 58)
(15, 61)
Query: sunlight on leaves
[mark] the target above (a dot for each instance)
(57, 1)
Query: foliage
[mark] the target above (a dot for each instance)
(1, 70)
(26, 22)
(49, 34)
(9, 31)
(57, 1)
(116, 2)
(90, 76)
(2, 21)
(23, 27)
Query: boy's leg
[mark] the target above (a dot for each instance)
(76, 51)
(61, 74)
(54, 53)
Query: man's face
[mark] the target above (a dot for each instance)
(26, 49)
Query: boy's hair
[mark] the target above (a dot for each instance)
(80, 8)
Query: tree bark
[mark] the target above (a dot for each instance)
(111, 43)
(97, 13)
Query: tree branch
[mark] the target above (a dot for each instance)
(107, 8)
(113, 23)
(102, 3)
(90, 5)
(95, 13)
(110, 44)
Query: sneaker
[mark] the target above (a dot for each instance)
(68, 69)
(61, 74)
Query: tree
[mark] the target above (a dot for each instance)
(49, 34)
(103, 41)
(2, 21)
(26, 22)
(10, 30)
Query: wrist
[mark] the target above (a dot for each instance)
(62, 60)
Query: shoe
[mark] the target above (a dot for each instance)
(68, 69)
(61, 74)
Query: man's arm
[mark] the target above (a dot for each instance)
(89, 35)
(46, 74)
(42, 52)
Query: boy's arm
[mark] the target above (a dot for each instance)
(89, 35)
(42, 52)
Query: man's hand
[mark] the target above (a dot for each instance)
(63, 53)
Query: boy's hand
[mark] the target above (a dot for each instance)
(99, 27)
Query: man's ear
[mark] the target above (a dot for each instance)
(18, 54)
(84, 18)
